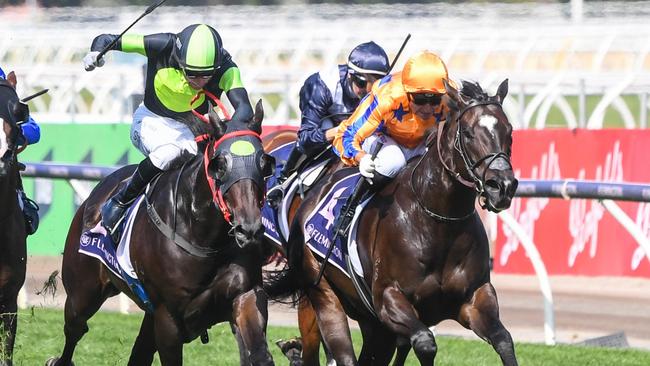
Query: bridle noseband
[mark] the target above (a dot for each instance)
(476, 183)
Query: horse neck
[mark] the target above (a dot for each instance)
(437, 189)
(201, 220)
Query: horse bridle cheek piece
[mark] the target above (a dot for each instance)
(217, 194)
(459, 145)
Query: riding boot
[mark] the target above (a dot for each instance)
(30, 211)
(275, 195)
(349, 208)
(293, 161)
(113, 210)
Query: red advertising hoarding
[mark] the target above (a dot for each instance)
(578, 237)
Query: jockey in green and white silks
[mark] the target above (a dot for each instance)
(179, 67)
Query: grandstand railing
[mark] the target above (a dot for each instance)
(554, 64)
(605, 192)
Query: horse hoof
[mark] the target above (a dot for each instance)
(53, 360)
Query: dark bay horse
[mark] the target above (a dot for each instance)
(423, 248)
(13, 250)
(218, 279)
(310, 335)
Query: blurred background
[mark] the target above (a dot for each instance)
(579, 77)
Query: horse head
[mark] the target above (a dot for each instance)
(12, 113)
(239, 166)
(483, 140)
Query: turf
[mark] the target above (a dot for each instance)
(111, 335)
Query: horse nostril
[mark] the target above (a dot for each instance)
(492, 185)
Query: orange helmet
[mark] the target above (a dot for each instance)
(423, 73)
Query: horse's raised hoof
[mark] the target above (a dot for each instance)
(52, 362)
(424, 344)
(292, 349)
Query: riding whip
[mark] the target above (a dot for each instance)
(151, 8)
(392, 64)
(37, 94)
(343, 213)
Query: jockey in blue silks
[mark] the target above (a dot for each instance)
(30, 134)
(329, 97)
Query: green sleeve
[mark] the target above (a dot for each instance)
(133, 43)
(230, 79)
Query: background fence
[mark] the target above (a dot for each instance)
(563, 71)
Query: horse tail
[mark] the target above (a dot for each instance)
(286, 284)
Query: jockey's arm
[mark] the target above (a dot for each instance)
(230, 82)
(363, 123)
(149, 45)
(315, 100)
(31, 132)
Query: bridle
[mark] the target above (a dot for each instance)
(215, 188)
(476, 181)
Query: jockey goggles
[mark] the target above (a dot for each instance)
(362, 80)
(425, 98)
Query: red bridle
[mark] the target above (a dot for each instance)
(217, 195)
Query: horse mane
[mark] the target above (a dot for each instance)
(473, 90)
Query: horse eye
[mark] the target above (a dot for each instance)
(267, 165)
(468, 134)
(220, 166)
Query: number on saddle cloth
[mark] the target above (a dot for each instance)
(321, 224)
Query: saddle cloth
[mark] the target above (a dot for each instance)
(320, 225)
(98, 244)
(276, 219)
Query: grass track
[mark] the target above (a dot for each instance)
(111, 335)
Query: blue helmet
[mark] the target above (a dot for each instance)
(2, 74)
(368, 58)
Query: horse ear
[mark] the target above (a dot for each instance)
(11, 78)
(216, 122)
(502, 91)
(453, 93)
(256, 123)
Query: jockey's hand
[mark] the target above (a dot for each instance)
(367, 166)
(90, 61)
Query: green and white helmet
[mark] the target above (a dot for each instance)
(198, 50)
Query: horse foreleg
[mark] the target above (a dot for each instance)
(378, 344)
(250, 316)
(402, 352)
(399, 315)
(9, 316)
(144, 347)
(481, 315)
(169, 340)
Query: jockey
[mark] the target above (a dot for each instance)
(327, 98)
(30, 134)
(181, 69)
(399, 111)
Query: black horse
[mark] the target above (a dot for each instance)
(199, 258)
(422, 246)
(13, 234)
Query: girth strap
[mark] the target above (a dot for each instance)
(362, 288)
(166, 230)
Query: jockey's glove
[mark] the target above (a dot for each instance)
(367, 166)
(90, 61)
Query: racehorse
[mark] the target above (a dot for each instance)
(12, 224)
(199, 259)
(422, 247)
(309, 343)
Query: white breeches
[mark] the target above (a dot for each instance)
(392, 157)
(165, 141)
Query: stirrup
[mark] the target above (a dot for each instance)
(112, 213)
